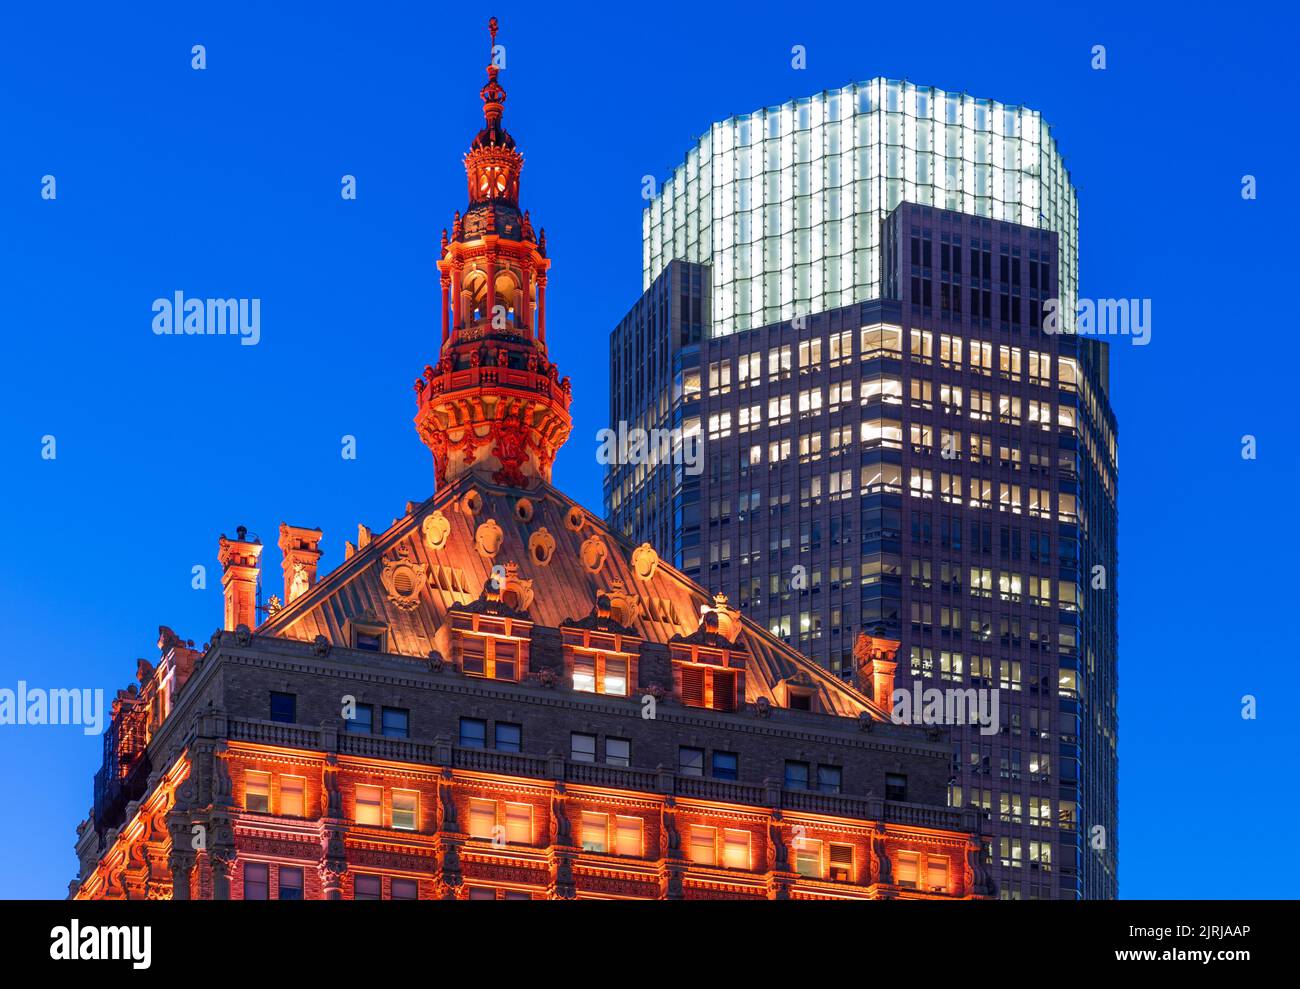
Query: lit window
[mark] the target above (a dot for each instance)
(615, 677)
(519, 824)
(735, 849)
(584, 672)
(595, 832)
(370, 806)
(907, 870)
(808, 857)
(292, 790)
(703, 845)
(482, 818)
(405, 803)
(628, 835)
(936, 874)
(257, 792)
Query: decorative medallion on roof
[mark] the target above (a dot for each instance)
(493, 403)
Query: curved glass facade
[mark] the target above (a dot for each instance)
(785, 204)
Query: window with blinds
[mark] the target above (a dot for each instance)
(707, 686)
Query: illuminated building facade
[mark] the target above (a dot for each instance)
(925, 461)
(498, 697)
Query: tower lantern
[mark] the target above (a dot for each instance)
(493, 403)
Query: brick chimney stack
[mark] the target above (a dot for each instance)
(873, 668)
(301, 554)
(239, 570)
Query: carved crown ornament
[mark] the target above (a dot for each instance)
(402, 579)
(436, 528)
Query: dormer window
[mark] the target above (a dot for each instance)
(600, 656)
(708, 677)
(489, 646)
(368, 635)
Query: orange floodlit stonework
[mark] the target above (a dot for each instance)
(500, 698)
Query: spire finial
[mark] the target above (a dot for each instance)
(493, 94)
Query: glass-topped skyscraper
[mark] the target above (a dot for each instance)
(844, 305)
(785, 204)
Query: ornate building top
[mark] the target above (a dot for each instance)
(493, 403)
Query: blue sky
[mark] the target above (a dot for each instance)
(225, 182)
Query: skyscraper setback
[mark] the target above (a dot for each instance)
(891, 442)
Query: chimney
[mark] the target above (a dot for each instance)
(301, 554)
(874, 665)
(239, 569)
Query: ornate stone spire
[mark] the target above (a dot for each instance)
(493, 403)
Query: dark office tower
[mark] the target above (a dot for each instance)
(931, 465)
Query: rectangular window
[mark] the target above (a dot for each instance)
(488, 656)
(482, 818)
(908, 870)
(292, 795)
(473, 733)
(366, 887)
(690, 761)
(618, 752)
(256, 884)
(796, 775)
(735, 849)
(582, 748)
(290, 882)
(628, 836)
(362, 721)
(405, 806)
(896, 787)
(584, 672)
(509, 737)
(808, 857)
(519, 824)
(396, 722)
(841, 862)
(726, 766)
(257, 792)
(406, 889)
(284, 708)
(615, 676)
(703, 845)
(595, 832)
(829, 779)
(370, 806)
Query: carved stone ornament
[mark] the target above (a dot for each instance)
(320, 646)
(575, 518)
(763, 707)
(524, 510)
(471, 503)
(488, 538)
(541, 546)
(243, 636)
(645, 561)
(402, 579)
(437, 529)
(594, 552)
